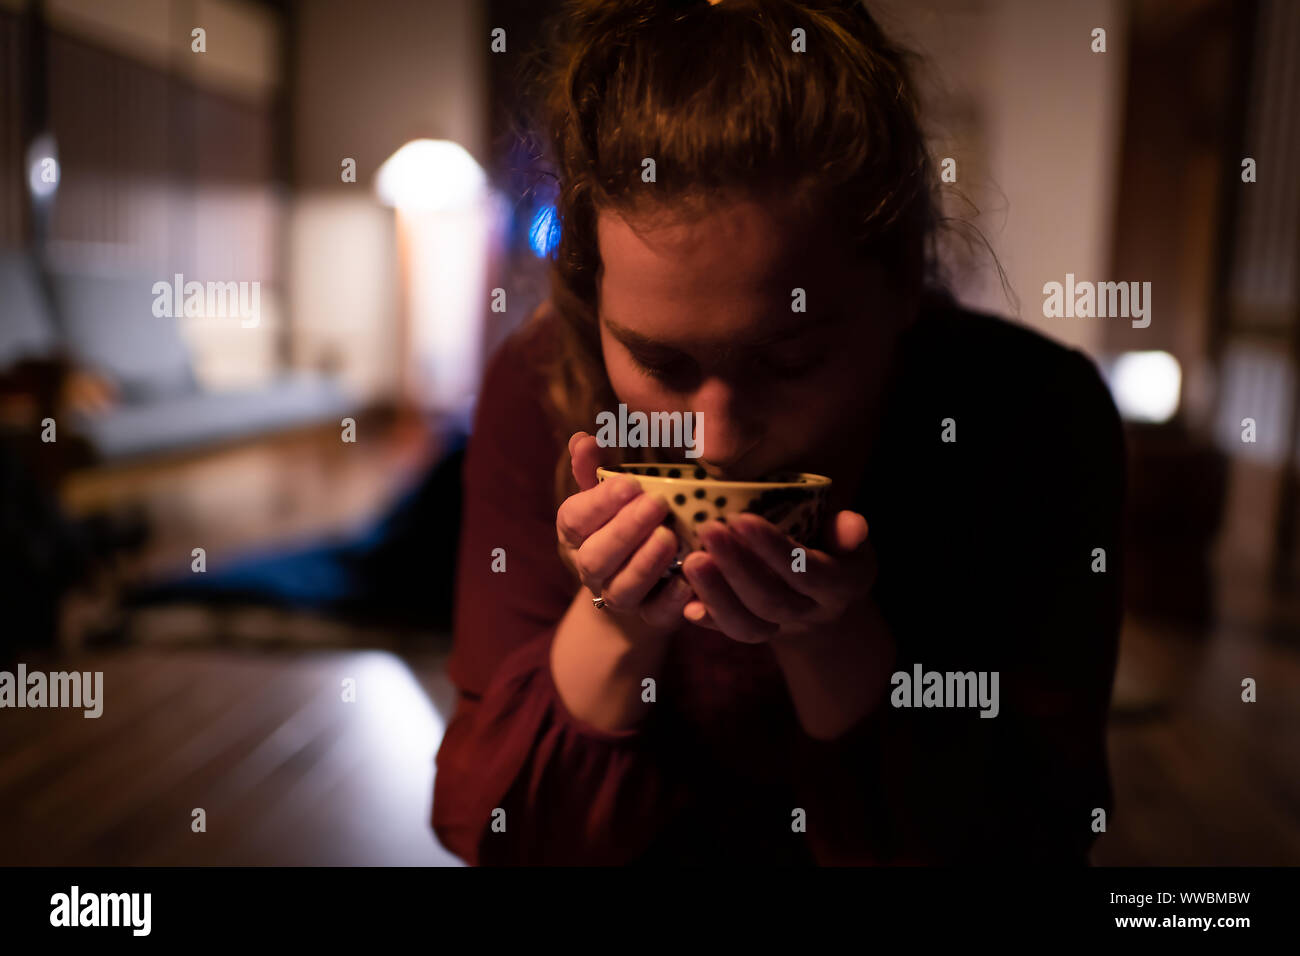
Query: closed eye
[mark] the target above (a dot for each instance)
(679, 371)
(676, 373)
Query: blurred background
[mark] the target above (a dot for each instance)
(235, 496)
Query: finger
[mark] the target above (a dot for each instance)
(627, 588)
(757, 586)
(665, 608)
(812, 573)
(726, 610)
(698, 614)
(847, 532)
(848, 537)
(606, 550)
(581, 515)
(587, 456)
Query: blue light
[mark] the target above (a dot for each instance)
(544, 233)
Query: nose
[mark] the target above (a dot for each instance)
(726, 430)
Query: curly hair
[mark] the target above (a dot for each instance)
(809, 101)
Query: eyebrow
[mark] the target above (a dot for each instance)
(644, 343)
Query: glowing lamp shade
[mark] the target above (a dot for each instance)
(447, 221)
(431, 175)
(1146, 385)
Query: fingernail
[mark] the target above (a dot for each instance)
(692, 565)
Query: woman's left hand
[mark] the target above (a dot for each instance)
(752, 586)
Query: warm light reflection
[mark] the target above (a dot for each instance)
(397, 719)
(399, 731)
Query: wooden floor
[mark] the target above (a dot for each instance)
(273, 490)
(254, 731)
(1202, 778)
(285, 770)
(288, 773)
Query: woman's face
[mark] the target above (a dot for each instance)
(697, 316)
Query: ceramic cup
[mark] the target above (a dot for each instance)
(795, 503)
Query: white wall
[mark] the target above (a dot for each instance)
(242, 41)
(343, 283)
(1034, 119)
(369, 78)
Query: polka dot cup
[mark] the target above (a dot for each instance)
(795, 503)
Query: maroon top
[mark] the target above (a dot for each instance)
(985, 550)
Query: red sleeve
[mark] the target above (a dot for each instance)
(570, 792)
(907, 786)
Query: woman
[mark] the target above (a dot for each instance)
(745, 712)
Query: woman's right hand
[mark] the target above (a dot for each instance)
(616, 540)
